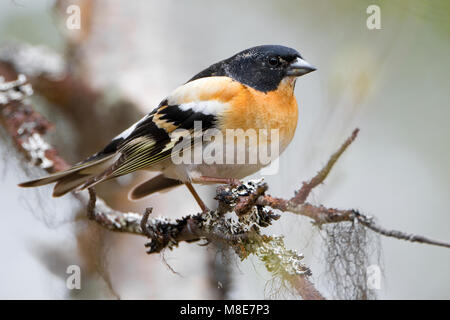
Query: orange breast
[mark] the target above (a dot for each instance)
(252, 109)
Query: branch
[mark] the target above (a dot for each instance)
(242, 236)
(24, 125)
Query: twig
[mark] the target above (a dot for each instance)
(307, 187)
(369, 223)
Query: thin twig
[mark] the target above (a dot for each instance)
(369, 223)
(307, 187)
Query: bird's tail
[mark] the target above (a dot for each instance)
(157, 184)
(74, 177)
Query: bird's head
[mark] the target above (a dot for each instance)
(264, 67)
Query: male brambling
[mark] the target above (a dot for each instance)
(253, 89)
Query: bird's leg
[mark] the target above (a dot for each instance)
(230, 181)
(197, 198)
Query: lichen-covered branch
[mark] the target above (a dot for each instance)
(242, 235)
(24, 125)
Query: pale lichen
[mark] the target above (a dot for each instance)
(15, 90)
(36, 147)
(279, 260)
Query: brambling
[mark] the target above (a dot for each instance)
(253, 89)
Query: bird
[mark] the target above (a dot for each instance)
(251, 90)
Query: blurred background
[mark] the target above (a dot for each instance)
(392, 83)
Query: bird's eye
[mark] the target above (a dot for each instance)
(273, 61)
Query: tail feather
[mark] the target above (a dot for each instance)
(48, 179)
(157, 184)
(69, 183)
(72, 178)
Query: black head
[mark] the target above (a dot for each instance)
(261, 67)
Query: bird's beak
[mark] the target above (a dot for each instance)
(299, 67)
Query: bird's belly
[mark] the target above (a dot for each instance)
(224, 160)
(222, 171)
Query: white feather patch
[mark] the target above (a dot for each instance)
(198, 91)
(212, 107)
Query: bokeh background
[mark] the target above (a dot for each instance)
(392, 83)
